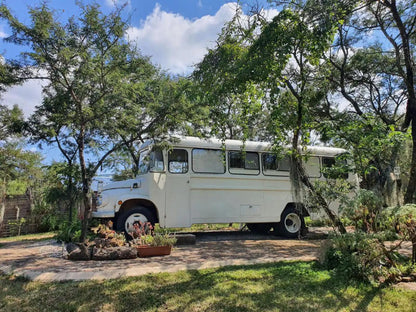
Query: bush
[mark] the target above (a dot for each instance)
(362, 257)
(403, 221)
(364, 210)
(69, 232)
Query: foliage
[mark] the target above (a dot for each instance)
(106, 237)
(11, 121)
(144, 234)
(158, 240)
(233, 108)
(102, 93)
(69, 231)
(403, 220)
(19, 168)
(376, 148)
(370, 66)
(362, 257)
(284, 286)
(15, 226)
(364, 210)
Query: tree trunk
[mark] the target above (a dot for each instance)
(411, 187)
(85, 186)
(298, 174)
(321, 200)
(71, 193)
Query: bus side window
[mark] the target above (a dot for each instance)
(274, 166)
(208, 161)
(313, 167)
(178, 161)
(243, 163)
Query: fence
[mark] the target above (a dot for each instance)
(12, 210)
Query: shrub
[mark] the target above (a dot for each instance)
(362, 257)
(403, 221)
(69, 232)
(15, 226)
(364, 210)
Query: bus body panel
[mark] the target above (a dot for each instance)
(186, 198)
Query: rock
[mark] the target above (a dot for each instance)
(407, 279)
(70, 247)
(81, 253)
(114, 253)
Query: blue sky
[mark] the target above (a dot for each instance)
(175, 34)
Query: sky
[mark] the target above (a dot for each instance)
(174, 33)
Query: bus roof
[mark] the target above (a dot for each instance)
(251, 146)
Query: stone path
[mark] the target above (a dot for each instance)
(44, 260)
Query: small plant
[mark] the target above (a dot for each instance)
(69, 232)
(107, 237)
(144, 235)
(15, 226)
(158, 240)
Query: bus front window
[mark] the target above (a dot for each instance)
(144, 162)
(156, 161)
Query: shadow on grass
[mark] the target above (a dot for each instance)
(284, 286)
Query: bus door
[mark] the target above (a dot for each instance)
(177, 211)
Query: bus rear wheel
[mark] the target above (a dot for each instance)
(124, 222)
(291, 223)
(259, 228)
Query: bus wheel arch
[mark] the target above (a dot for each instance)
(135, 209)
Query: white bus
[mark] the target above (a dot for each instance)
(211, 181)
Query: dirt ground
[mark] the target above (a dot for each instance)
(45, 260)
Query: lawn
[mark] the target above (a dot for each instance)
(27, 237)
(284, 286)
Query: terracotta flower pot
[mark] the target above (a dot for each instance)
(150, 251)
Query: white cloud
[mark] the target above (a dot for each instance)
(113, 3)
(26, 96)
(178, 43)
(3, 34)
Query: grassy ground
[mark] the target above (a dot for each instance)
(285, 286)
(27, 237)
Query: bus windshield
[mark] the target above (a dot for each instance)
(151, 161)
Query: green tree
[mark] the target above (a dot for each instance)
(281, 59)
(96, 80)
(373, 69)
(11, 121)
(19, 169)
(232, 107)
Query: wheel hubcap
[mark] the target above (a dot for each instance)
(293, 223)
(128, 225)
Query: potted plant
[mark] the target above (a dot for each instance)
(148, 243)
(155, 245)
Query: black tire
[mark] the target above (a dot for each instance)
(291, 223)
(126, 218)
(259, 228)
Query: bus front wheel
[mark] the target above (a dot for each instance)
(291, 223)
(125, 220)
